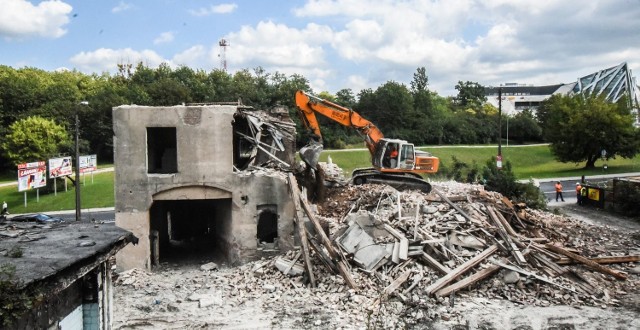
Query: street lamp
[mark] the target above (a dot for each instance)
(78, 206)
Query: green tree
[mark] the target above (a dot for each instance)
(579, 128)
(523, 127)
(389, 108)
(34, 139)
(470, 95)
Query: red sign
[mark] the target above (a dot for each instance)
(499, 161)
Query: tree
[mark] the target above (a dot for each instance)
(579, 128)
(523, 127)
(470, 95)
(388, 108)
(34, 139)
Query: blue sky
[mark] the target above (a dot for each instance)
(334, 43)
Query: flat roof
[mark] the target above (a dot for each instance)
(49, 249)
(530, 90)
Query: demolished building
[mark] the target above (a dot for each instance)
(194, 181)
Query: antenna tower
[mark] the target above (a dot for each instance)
(223, 53)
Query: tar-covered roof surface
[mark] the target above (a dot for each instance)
(50, 248)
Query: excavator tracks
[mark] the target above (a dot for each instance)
(400, 181)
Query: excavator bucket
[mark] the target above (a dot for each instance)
(311, 153)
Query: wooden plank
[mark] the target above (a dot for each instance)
(603, 260)
(435, 264)
(404, 242)
(456, 207)
(323, 255)
(536, 276)
(337, 257)
(472, 279)
(299, 224)
(511, 246)
(415, 222)
(469, 280)
(505, 224)
(397, 282)
(437, 285)
(391, 288)
(416, 281)
(593, 265)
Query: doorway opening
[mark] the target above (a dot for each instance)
(190, 231)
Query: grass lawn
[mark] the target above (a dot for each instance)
(529, 161)
(526, 161)
(98, 193)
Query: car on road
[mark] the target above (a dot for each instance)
(37, 217)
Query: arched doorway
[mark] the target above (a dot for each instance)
(190, 224)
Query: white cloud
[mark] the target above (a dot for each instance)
(271, 44)
(163, 38)
(21, 19)
(224, 8)
(196, 56)
(106, 59)
(487, 41)
(122, 6)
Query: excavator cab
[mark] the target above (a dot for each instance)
(393, 155)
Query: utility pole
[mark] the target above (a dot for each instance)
(78, 202)
(499, 157)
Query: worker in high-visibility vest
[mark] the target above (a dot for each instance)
(578, 193)
(559, 191)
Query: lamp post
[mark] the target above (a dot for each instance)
(78, 203)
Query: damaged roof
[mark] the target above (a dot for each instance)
(41, 252)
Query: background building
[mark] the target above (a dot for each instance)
(613, 83)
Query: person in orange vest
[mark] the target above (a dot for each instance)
(579, 193)
(559, 191)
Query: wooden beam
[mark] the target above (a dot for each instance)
(435, 264)
(456, 207)
(591, 264)
(391, 288)
(469, 280)
(511, 246)
(603, 260)
(337, 257)
(437, 285)
(299, 223)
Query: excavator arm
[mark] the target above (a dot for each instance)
(309, 104)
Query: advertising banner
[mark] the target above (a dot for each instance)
(88, 163)
(60, 167)
(32, 175)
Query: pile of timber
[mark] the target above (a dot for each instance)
(462, 241)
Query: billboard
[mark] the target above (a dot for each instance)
(60, 167)
(88, 163)
(32, 175)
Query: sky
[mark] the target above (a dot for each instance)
(335, 44)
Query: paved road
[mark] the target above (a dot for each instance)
(547, 186)
(100, 215)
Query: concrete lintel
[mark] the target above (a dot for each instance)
(192, 192)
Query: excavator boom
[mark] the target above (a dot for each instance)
(310, 104)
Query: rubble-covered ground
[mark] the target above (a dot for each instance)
(401, 291)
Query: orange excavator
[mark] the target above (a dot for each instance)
(395, 162)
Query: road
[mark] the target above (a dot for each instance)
(105, 215)
(547, 186)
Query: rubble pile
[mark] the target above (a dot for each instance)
(460, 240)
(397, 259)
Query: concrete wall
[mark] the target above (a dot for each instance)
(204, 146)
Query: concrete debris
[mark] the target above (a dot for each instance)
(416, 258)
(209, 266)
